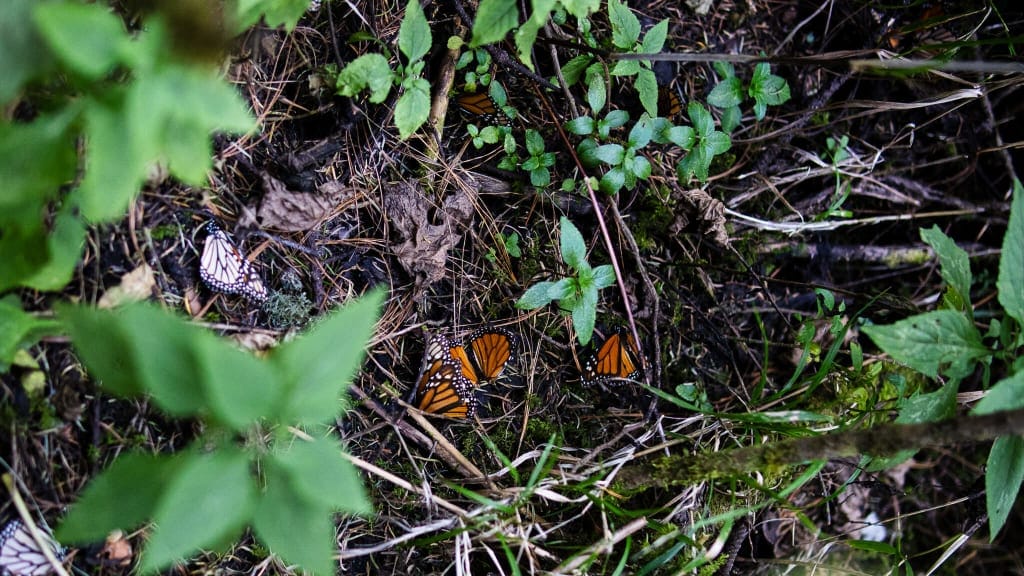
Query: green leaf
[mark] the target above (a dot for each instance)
(166, 351)
(320, 474)
(1007, 394)
(540, 177)
(702, 121)
(581, 8)
(625, 25)
(584, 314)
(954, 266)
(412, 109)
(767, 87)
(727, 93)
(930, 407)
(535, 296)
(368, 71)
(626, 68)
(1011, 264)
(210, 498)
(124, 496)
(647, 86)
(564, 289)
(604, 276)
(319, 366)
(731, 118)
(20, 56)
(114, 167)
(64, 245)
(414, 36)
(297, 529)
(611, 154)
(19, 330)
(942, 340)
(613, 180)
(581, 126)
(640, 168)
(654, 40)
(640, 135)
(574, 251)
(534, 142)
(105, 347)
(574, 69)
(1003, 476)
(241, 390)
(596, 89)
(682, 136)
(494, 18)
(275, 13)
(88, 37)
(717, 142)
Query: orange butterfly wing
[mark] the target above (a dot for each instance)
(490, 350)
(442, 388)
(618, 358)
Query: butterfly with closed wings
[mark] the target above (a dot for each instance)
(617, 358)
(20, 554)
(225, 269)
(452, 371)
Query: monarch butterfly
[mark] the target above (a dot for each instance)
(482, 105)
(225, 269)
(451, 371)
(618, 358)
(20, 554)
(669, 104)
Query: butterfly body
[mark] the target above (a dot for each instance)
(451, 371)
(617, 358)
(225, 269)
(20, 554)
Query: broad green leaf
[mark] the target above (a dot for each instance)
(240, 389)
(64, 245)
(596, 90)
(930, 407)
(581, 126)
(526, 35)
(654, 39)
(166, 351)
(38, 157)
(534, 142)
(640, 135)
(535, 296)
(702, 120)
(611, 154)
(683, 136)
(584, 313)
(88, 37)
(625, 25)
(210, 497)
(563, 289)
(297, 529)
(412, 109)
(727, 93)
(574, 69)
(319, 366)
(414, 36)
(941, 341)
(647, 86)
(368, 71)
(105, 347)
(640, 168)
(320, 474)
(277, 13)
(581, 8)
(731, 118)
(626, 68)
(114, 166)
(1007, 394)
(767, 87)
(604, 276)
(494, 18)
(717, 142)
(19, 329)
(540, 177)
(20, 56)
(1011, 263)
(616, 118)
(574, 251)
(613, 180)
(1003, 476)
(954, 266)
(124, 496)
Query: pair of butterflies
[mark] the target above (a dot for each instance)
(20, 554)
(452, 370)
(225, 269)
